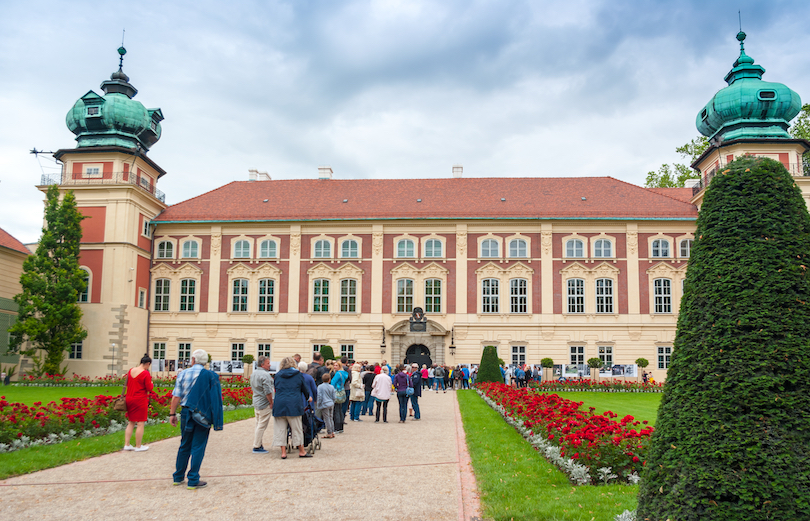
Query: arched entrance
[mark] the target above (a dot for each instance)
(418, 354)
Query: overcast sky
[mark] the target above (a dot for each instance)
(382, 89)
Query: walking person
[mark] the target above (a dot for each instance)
(358, 394)
(338, 380)
(288, 407)
(261, 381)
(431, 375)
(197, 389)
(138, 386)
(402, 382)
(439, 378)
(417, 392)
(326, 405)
(448, 371)
(465, 379)
(381, 391)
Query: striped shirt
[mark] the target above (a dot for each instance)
(185, 382)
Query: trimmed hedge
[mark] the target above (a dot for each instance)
(327, 353)
(489, 370)
(733, 428)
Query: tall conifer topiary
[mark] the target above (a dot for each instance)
(327, 353)
(489, 371)
(733, 428)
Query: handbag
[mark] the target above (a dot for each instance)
(340, 396)
(409, 390)
(120, 403)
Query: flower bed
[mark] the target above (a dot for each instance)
(23, 426)
(76, 380)
(590, 448)
(604, 386)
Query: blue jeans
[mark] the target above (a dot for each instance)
(415, 406)
(368, 405)
(193, 441)
(430, 382)
(439, 383)
(403, 405)
(355, 409)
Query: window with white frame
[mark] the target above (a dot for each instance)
(241, 250)
(165, 250)
(188, 290)
(190, 250)
(263, 349)
(433, 248)
(162, 289)
(75, 351)
(92, 171)
(184, 350)
(347, 350)
(84, 296)
(577, 355)
(518, 355)
(517, 248)
(606, 356)
(268, 249)
(141, 298)
(320, 295)
(239, 301)
(349, 249)
(686, 247)
(604, 295)
(518, 295)
(348, 296)
(490, 248)
(93, 111)
(404, 295)
(405, 248)
(159, 350)
(323, 249)
(576, 296)
(433, 296)
(664, 355)
(490, 296)
(574, 248)
(237, 351)
(267, 293)
(602, 248)
(316, 348)
(662, 289)
(660, 248)
(145, 230)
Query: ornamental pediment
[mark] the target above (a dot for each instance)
(240, 271)
(349, 270)
(519, 269)
(575, 270)
(166, 270)
(320, 270)
(489, 269)
(663, 269)
(268, 271)
(606, 270)
(162, 270)
(405, 270)
(434, 270)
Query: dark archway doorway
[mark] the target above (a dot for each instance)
(418, 354)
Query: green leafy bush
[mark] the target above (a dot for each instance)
(548, 363)
(327, 353)
(732, 435)
(489, 370)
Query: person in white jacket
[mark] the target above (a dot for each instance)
(381, 391)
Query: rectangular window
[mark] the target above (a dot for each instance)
(240, 295)
(606, 355)
(320, 296)
(184, 351)
(404, 296)
(490, 295)
(266, 295)
(577, 355)
(188, 288)
(347, 350)
(348, 296)
(145, 183)
(604, 295)
(263, 350)
(316, 348)
(519, 355)
(93, 111)
(162, 294)
(145, 231)
(75, 351)
(237, 351)
(141, 298)
(664, 354)
(433, 296)
(159, 350)
(663, 295)
(576, 296)
(518, 291)
(92, 171)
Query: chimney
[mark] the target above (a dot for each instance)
(324, 172)
(252, 174)
(264, 176)
(457, 171)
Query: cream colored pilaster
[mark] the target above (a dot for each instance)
(633, 300)
(294, 275)
(377, 235)
(547, 270)
(461, 270)
(214, 269)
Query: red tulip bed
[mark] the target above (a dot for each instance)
(605, 386)
(44, 424)
(589, 447)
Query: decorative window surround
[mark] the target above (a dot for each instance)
(317, 254)
(518, 237)
(602, 237)
(659, 252)
(589, 275)
(498, 254)
(253, 275)
(261, 252)
(575, 253)
(419, 275)
(664, 270)
(679, 246)
(406, 254)
(425, 251)
(166, 248)
(350, 237)
(188, 250)
(491, 270)
(238, 241)
(334, 276)
(175, 273)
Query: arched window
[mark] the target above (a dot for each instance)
(490, 296)
(574, 248)
(517, 248)
(190, 250)
(602, 248)
(84, 296)
(518, 293)
(433, 296)
(433, 248)
(165, 250)
(489, 248)
(162, 287)
(241, 250)
(604, 295)
(240, 295)
(267, 293)
(323, 249)
(188, 293)
(268, 249)
(348, 296)
(663, 295)
(660, 248)
(404, 296)
(405, 248)
(686, 248)
(576, 296)
(320, 295)
(348, 249)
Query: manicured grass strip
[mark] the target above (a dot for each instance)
(33, 459)
(29, 395)
(642, 406)
(515, 482)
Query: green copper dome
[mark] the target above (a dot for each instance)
(748, 107)
(115, 118)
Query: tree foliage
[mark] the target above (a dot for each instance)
(801, 130)
(675, 176)
(49, 316)
(327, 353)
(489, 370)
(732, 431)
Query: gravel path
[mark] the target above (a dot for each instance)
(417, 470)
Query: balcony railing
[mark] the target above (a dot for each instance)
(114, 178)
(795, 169)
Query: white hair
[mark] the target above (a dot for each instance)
(200, 356)
(302, 366)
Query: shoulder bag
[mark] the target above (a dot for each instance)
(120, 403)
(340, 395)
(409, 390)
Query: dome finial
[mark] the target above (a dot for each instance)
(122, 51)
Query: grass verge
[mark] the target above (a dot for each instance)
(642, 406)
(33, 459)
(30, 395)
(515, 482)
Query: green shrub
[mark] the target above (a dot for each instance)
(732, 432)
(642, 362)
(489, 370)
(327, 353)
(247, 359)
(548, 363)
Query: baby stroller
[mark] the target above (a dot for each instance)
(311, 427)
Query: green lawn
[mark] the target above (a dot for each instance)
(642, 406)
(515, 482)
(29, 395)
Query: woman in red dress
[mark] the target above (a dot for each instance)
(139, 385)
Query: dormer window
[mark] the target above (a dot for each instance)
(153, 126)
(94, 111)
(704, 114)
(766, 95)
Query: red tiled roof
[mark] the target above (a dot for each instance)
(478, 198)
(681, 194)
(7, 241)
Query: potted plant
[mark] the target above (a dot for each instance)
(595, 363)
(247, 360)
(546, 363)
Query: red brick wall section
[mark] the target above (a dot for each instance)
(94, 261)
(142, 279)
(93, 225)
(106, 169)
(144, 243)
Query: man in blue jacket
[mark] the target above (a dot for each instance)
(198, 392)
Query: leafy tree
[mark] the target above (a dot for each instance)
(801, 130)
(489, 370)
(327, 353)
(49, 317)
(676, 175)
(732, 431)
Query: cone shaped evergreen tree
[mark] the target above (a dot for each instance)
(732, 439)
(489, 370)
